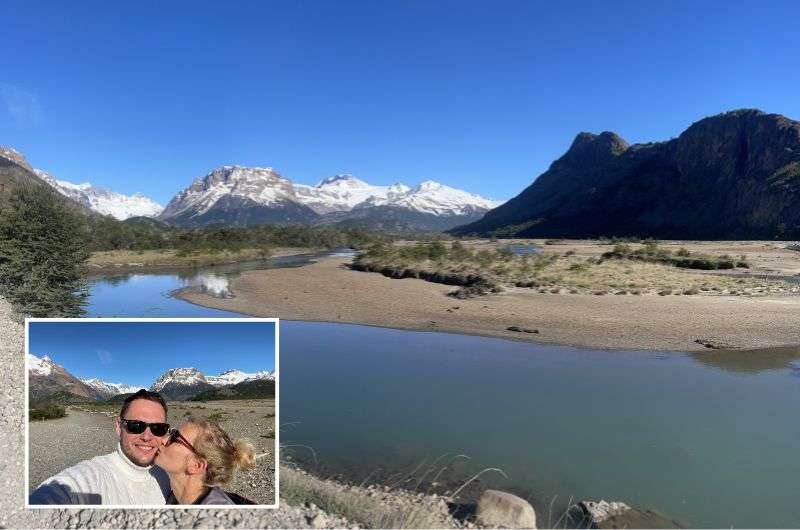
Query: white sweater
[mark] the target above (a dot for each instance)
(108, 479)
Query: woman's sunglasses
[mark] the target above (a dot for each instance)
(176, 436)
(138, 427)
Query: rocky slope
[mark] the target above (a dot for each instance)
(46, 378)
(731, 176)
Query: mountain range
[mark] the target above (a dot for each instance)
(46, 379)
(241, 195)
(731, 176)
(236, 195)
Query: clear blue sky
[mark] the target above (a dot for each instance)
(477, 95)
(136, 353)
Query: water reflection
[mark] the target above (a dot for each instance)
(212, 284)
(747, 362)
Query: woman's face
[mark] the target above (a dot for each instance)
(175, 456)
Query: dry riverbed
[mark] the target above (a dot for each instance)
(329, 291)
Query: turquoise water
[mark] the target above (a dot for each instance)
(710, 439)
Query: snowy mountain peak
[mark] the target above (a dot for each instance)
(40, 365)
(258, 185)
(232, 377)
(179, 376)
(103, 201)
(107, 390)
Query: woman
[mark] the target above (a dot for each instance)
(199, 457)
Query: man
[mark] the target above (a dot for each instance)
(126, 476)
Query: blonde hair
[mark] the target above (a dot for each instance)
(224, 456)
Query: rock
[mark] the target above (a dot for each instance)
(500, 509)
(603, 514)
(521, 330)
(602, 510)
(318, 521)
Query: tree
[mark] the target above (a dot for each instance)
(42, 254)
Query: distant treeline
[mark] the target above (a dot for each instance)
(105, 233)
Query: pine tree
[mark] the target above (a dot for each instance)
(42, 254)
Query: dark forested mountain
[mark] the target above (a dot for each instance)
(731, 176)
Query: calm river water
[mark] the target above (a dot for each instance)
(710, 439)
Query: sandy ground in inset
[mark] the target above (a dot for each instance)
(329, 291)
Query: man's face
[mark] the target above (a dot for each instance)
(141, 448)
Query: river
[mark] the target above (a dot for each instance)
(710, 439)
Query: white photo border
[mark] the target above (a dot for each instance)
(273, 506)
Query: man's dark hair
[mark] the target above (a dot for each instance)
(142, 394)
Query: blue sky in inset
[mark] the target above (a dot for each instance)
(137, 353)
(475, 94)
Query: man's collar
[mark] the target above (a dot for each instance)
(134, 467)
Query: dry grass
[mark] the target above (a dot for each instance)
(174, 258)
(355, 503)
(571, 269)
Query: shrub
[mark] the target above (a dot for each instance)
(42, 254)
(46, 411)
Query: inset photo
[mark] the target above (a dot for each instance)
(143, 413)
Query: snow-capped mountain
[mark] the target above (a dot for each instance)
(180, 376)
(233, 377)
(104, 201)
(46, 377)
(183, 383)
(40, 365)
(238, 195)
(434, 198)
(342, 193)
(241, 195)
(107, 390)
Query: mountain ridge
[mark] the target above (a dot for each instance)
(735, 175)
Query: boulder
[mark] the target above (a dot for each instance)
(604, 514)
(498, 509)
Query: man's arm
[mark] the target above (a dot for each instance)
(62, 489)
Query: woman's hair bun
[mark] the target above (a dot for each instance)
(245, 454)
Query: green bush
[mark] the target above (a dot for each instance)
(46, 411)
(42, 254)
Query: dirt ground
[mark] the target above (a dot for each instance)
(329, 291)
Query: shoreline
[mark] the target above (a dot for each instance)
(122, 265)
(328, 291)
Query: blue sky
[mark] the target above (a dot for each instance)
(478, 95)
(137, 353)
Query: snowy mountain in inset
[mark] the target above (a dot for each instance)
(106, 390)
(40, 365)
(232, 377)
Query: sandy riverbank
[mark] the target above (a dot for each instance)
(328, 291)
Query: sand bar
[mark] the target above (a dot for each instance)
(330, 292)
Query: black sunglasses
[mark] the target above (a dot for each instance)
(138, 427)
(176, 436)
